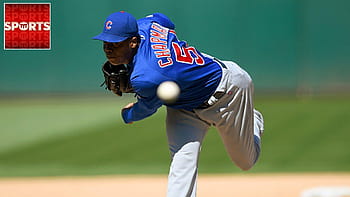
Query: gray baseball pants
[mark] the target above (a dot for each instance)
(236, 120)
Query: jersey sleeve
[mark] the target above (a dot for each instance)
(146, 105)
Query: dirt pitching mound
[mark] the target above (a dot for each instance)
(232, 185)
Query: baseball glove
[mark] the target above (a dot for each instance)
(117, 78)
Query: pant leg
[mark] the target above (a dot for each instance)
(235, 118)
(239, 132)
(185, 133)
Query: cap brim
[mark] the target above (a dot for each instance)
(109, 37)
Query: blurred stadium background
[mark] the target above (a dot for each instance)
(56, 120)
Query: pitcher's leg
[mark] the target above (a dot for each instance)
(182, 177)
(185, 135)
(236, 128)
(240, 125)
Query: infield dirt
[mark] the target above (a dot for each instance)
(243, 185)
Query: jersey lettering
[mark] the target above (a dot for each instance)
(159, 28)
(187, 55)
(159, 44)
(163, 53)
(159, 47)
(158, 35)
(157, 40)
(165, 64)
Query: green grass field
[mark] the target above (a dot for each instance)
(86, 136)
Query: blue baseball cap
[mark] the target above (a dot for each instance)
(118, 27)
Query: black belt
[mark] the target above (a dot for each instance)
(220, 63)
(216, 95)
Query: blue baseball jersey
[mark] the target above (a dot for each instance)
(161, 56)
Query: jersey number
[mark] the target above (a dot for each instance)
(187, 55)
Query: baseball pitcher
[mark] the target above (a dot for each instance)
(146, 52)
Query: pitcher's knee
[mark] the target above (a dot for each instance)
(246, 162)
(245, 166)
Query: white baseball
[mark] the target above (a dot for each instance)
(168, 91)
